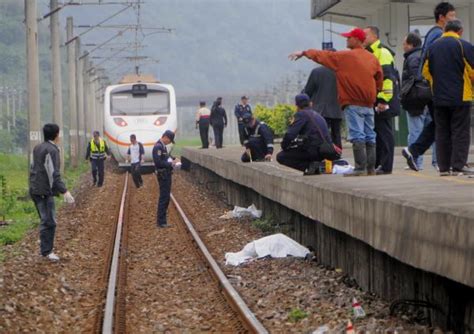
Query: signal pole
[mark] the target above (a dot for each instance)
(56, 76)
(32, 77)
(71, 52)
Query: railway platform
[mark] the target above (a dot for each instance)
(407, 235)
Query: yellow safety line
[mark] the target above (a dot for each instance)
(444, 178)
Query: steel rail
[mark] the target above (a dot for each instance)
(247, 316)
(107, 325)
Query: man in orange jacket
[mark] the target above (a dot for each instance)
(359, 78)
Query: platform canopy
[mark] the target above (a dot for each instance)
(395, 18)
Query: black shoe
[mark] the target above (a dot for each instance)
(410, 159)
(313, 169)
(99, 185)
(380, 171)
(464, 171)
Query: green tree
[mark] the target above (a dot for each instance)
(278, 117)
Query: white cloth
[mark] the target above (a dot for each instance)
(134, 153)
(276, 245)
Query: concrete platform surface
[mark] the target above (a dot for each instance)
(421, 219)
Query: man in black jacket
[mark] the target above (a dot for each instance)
(417, 114)
(45, 183)
(300, 145)
(321, 88)
(218, 121)
(257, 139)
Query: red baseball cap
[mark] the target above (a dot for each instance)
(356, 32)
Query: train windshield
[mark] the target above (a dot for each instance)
(155, 102)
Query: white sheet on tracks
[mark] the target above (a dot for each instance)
(240, 212)
(276, 245)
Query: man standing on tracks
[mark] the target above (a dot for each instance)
(45, 183)
(203, 116)
(97, 152)
(240, 110)
(164, 169)
(135, 156)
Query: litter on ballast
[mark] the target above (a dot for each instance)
(240, 212)
(322, 330)
(276, 246)
(357, 309)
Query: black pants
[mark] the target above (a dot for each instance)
(452, 136)
(334, 126)
(136, 174)
(164, 179)
(385, 143)
(426, 138)
(204, 132)
(218, 134)
(241, 133)
(97, 166)
(257, 148)
(296, 158)
(46, 211)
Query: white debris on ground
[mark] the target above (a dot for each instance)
(276, 246)
(240, 212)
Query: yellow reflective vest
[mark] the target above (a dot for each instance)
(386, 60)
(98, 152)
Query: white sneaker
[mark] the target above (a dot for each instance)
(52, 257)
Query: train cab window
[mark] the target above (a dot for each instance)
(128, 103)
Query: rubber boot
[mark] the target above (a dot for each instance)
(370, 147)
(360, 159)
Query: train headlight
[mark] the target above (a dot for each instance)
(160, 121)
(120, 121)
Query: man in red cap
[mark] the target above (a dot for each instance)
(359, 78)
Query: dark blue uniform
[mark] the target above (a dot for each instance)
(302, 140)
(164, 170)
(259, 140)
(239, 111)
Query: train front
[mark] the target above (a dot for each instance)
(144, 109)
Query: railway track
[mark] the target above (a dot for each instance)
(113, 311)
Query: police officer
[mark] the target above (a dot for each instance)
(97, 152)
(239, 111)
(303, 138)
(164, 168)
(202, 121)
(257, 139)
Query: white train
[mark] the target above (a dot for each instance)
(138, 105)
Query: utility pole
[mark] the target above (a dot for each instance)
(80, 98)
(32, 77)
(71, 52)
(56, 76)
(9, 128)
(87, 99)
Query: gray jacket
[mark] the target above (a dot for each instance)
(322, 89)
(45, 178)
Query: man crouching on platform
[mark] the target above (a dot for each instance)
(302, 142)
(257, 139)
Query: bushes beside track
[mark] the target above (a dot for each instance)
(277, 117)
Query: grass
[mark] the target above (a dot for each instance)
(296, 315)
(15, 204)
(182, 142)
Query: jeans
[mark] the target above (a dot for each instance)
(415, 127)
(360, 123)
(426, 139)
(46, 211)
(164, 180)
(97, 166)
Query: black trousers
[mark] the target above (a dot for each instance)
(334, 125)
(204, 132)
(136, 174)
(164, 180)
(46, 211)
(258, 150)
(385, 143)
(426, 138)
(241, 133)
(97, 166)
(218, 134)
(296, 158)
(452, 136)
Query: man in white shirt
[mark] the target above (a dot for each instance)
(135, 156)
(203, 117)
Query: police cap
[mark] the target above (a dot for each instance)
(169, 134)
